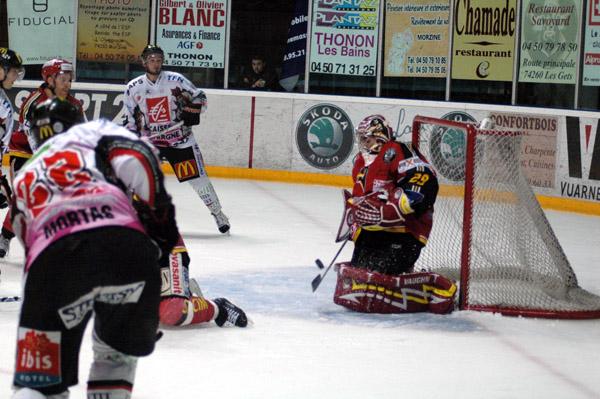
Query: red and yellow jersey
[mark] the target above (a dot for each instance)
(398, 165)
(19, 145)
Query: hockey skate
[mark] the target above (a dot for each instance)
(222, 221)
(4, 246)
(229, 314)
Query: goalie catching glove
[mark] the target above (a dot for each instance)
(382, 209)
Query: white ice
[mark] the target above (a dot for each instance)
(301, 345)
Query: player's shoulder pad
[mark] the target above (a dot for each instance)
(135, 82)
(174, 76)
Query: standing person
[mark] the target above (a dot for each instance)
(57, 75)
(89, 252)
(11, 70)
(259, 76)
(163, 106)
(391, 208)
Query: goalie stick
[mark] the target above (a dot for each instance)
(319, 278)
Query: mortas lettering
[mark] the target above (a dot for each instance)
(77, 218)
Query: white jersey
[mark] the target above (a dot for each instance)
(153, 109)
(81, 180)
(6, 119)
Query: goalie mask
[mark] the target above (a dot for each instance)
(372, 133)
(52, 117)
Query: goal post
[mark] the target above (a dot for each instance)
(489, 231)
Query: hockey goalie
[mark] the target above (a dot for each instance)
(389, 216)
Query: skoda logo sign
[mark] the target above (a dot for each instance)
(325, 136)
(448, 146)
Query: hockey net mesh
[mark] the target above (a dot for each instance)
(514, 263)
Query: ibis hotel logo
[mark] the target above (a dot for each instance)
(325, 136)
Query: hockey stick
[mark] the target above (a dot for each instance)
(319, 278)
(10, 299)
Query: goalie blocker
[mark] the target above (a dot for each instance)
(367, 291)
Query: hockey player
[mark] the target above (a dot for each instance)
(164, 106)
(89, 252)
(391, 213)
(57, 75)
(11, 70)
(182, 302)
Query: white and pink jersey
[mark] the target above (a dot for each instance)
(81, 180)
(153, 108)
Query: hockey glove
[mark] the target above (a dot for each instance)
(160, 224)
(366, 211)
(191, 108)
(383, 209)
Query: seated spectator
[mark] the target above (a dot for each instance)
(259, 77)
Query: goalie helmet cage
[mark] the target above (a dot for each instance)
(489, 231)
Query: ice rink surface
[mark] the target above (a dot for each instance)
(302, 345)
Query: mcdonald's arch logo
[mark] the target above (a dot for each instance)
(46, 132)
(186, 170)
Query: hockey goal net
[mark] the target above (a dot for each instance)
(489, 231)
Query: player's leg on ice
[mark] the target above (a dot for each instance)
(181, 305)
(188, 165)
(42, 333)
(125, 315)
(112, 372)
(203, 186)
(6, 234)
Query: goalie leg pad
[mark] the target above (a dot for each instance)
(366, 291)
(178, 311)
(112, 373)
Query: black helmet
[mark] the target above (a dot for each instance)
(151, 49)
(52, 117)
(11, 59)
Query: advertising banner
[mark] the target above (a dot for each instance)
(538, 156)
(344, 37)
(110, 33)
(591, 53)
(295, 50)
(549, 46)
(416, 38)
(484, 40)
(192, 32)
(41, 30)
(579, 176)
